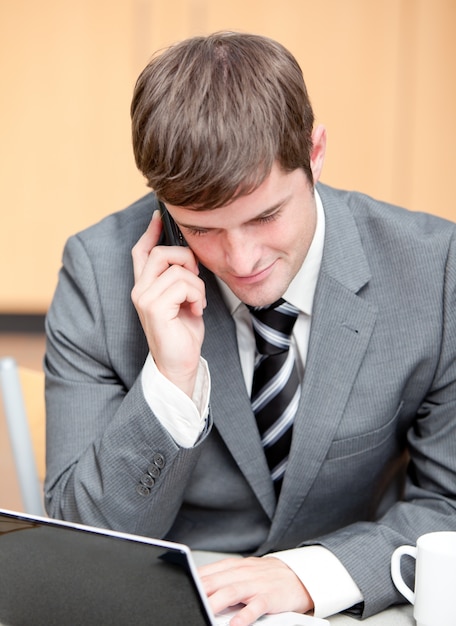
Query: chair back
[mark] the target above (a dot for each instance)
(23, 400)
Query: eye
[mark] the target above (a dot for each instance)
(196, 232)
(267, 218)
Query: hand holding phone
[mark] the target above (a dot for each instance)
(169, 297)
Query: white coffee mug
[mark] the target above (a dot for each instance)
(434, 598)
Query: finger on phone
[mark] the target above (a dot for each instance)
(141, 250)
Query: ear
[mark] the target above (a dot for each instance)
(317, 156)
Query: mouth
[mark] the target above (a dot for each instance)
(257, 277)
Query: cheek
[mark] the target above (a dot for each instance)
(304, 229)
(206, 252)
(282, 237)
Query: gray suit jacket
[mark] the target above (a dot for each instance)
(379, 388)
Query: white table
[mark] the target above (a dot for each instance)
(397, 616)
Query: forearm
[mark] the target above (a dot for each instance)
(96, 461)
(101, 433)
(365, 548)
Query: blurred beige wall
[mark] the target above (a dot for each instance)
(381, 76)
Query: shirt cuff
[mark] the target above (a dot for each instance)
(183, 417)
(329, 584)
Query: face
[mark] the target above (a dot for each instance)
(257, 243)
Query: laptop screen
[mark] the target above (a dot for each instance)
(51, 573)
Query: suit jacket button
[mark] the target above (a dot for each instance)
(142, 490)
(147, 480)
(153, 470)
(159, 460)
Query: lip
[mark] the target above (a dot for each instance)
(253, 279)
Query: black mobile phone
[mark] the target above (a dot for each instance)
(171, 232)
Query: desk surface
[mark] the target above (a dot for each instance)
(397, 616)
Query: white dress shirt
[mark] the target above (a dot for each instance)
(326, 579)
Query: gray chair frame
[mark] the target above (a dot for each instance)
(20, 437)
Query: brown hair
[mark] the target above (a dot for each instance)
(210, 115)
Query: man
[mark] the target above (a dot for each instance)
(151, 429)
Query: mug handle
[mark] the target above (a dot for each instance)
(396, 571)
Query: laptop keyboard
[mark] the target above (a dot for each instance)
(222, 620)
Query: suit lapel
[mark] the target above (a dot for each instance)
(230, 404)
(342, 324)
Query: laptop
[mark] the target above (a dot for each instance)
(64, 574)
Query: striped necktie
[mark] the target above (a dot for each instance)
(275, 388)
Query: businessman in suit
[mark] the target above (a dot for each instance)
(151, 348)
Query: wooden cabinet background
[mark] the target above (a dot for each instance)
(381, 76)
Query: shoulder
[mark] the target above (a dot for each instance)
(105, 247)
(122, 228)
(375, 218)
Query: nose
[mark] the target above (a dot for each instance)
(241, 251)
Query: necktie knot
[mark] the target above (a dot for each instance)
(273, 326)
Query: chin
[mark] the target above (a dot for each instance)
(260, 298)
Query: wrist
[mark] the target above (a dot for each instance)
(185, 381)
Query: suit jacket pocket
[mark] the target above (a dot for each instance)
(364, 442)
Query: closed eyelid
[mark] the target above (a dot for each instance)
(268, 214)
(196, 231)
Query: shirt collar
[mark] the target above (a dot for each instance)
(301, 290)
